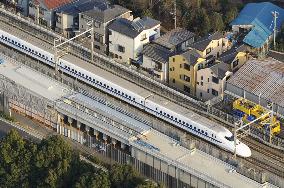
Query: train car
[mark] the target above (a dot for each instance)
(134, 95)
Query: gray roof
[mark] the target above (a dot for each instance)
(191, 56)
(104, 12)
(229, 55)
(174, 37)
(133, 28)
(220, 69)
(203, 42)
(157, 52)
(265, 77)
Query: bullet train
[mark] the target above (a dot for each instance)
(170, 112)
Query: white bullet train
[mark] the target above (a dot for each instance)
(153, 104)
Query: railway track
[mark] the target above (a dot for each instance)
(259, 149)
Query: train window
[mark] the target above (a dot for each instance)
(190, 126)
(32, 51)
(36, 52)
(141, 101)
(194, 128)
(111, 88)
(87, 77)
(39, 54)
(164, 113)
(126, 95)
(179, 121)
(198, 130)
(183, 122)
(90, 79)
(133, 99)
(29, 49)
(172, 117)
(22, 46)
(187, 124)
(118, 92)
(12, 41)
(161, 112)
(168, 115)
(75, 72)
(176, 119)
(115, 90)
(79, 74)
(104, 85)
(206, 133)
(5, 38)
(212, 135)
(107, 86)
(202, 131)
(101, 83)
(122, 93)
(94, 80)
(83, 75)
(129, 97)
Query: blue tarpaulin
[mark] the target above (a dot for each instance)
(260, 16)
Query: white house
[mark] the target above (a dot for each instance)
(126, 38)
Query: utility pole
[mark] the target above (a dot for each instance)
(275, 15)
(175, 13)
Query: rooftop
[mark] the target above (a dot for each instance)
(104, 12)
(260, 16)
(195, 162)
(201, 43)
(220, 69)
(76, 7)
(174, 37)
(32, 80)
(262, 77)
(157, 52)
(191, 56)
(229, 55)
(133, 28)
(52, 4)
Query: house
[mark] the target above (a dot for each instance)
(235, 57)
(183, 68)
(210, 81)
(156, 60)
(177, 40)
(101, 16)
(126, 38)
(42, 11)
(156, 54)
(211, 45)
(67, 16)
(21, 6)
(260, 81)
(255, 24)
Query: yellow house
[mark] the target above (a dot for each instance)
(212, 45)
(235, 57)
(183, 68)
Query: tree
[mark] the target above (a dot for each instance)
(202, 22)
(217, 23)
(15, 157)
(124, 176)
(147, 13)
(231, 14)
(93, 180)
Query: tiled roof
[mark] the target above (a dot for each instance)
(174, 37)
(76, 7)
(260, 16)
(104, 12)
(265, 77)
(229, 55)
(191, 56)
(220, 69)
(133, 28)
(52, 4)
(157, 52)
(203, 42)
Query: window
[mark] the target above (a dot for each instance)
(200, 94)
(208, 90)
(186, 89)
(110, 32)
(208, 50)
(218, 43)
(186, 78)
(201, 83)
(215, 80)
(121, 48)
(235, 63)
(173, 59)
(208, 79)
(143, 37)
(174, 81)
(180, 65)
(231, 138)
(201, 77)
(214, 92)
(186, 66)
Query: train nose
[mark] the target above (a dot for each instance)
(243, 150)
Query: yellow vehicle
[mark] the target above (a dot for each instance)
(250, 111)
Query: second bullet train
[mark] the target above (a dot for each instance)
(153, 104)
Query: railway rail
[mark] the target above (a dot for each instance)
(274, 156)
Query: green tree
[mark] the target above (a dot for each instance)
(93, 180)
(231, 14)
(15, 157)
(147, 13)
(149, 184)
(217, 23)
(201, 22)
(124, 176)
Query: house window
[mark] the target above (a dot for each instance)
(143, 37)
(97, 24)
(208, 90)
(208, 79)
(208, 50)
(201, 83)
(186, 89)
(200, 94)
(121, 48)
(174, 81)
(215, 80)
(186, 67)
(186, 78)
(218, 43)
(110, 32)
(201, 77)
(173, 59)
(180, 65)
(235, 63)
(214, 92)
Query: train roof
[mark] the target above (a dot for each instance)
(187, 113)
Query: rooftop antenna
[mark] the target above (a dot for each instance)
(275, 16)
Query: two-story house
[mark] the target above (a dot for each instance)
(126, 38)
(156, 54)
(42, 11)
(67, 16)
(101, 16)
(183, 68)
(210, 81)
(211, 46)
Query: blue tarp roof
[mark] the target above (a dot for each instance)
(260, 16)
